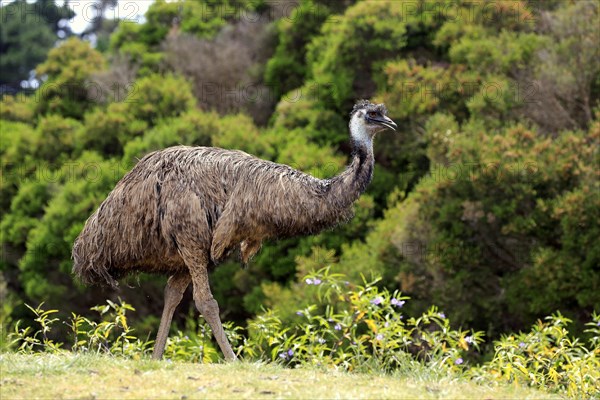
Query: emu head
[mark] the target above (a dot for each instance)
(368, 119)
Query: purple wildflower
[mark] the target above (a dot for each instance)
(598, 323)
(317, 281)
(286, 355)
(377, 301)
(346, 283)
(379, 336)
(308, 281)
(469, 339)
(397, 303)
(337, 327)
(321, 340)
(300, 313)
(458, 361)
(442, 315)
(522, 344)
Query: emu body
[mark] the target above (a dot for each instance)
(182, 209)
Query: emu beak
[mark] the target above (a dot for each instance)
(385, 121)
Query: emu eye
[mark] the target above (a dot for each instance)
(372, 114)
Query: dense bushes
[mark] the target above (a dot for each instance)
(495, 207)
(287, 69)
(349, 67)
(67, 70)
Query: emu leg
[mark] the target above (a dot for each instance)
(174, 290)
(209, 308)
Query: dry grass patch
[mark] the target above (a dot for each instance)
(100, 377)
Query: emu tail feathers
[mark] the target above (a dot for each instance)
(89, 264)
(90, 273)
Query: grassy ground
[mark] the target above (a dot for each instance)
(98, 377)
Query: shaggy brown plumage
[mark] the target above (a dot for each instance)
(181, 208)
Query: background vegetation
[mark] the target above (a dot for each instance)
(485, 203)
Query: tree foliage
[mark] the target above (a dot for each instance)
(28, 31)
(67, 71)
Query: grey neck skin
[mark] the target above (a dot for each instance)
(350, 184)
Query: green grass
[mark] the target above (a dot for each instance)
(71, 375)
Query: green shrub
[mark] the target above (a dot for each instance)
(193, 128)
(17, 108)
(75, 190)
(301, 112)
(547, 357)
(344, 57)
(108, 130)
(55, 139)
(287, 69)
(358, 328)
(494, 233)
(67, 69)
(17, 139)
(157, 96)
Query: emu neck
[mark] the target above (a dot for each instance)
(350, 184)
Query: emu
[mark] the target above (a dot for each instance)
(183, 209)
